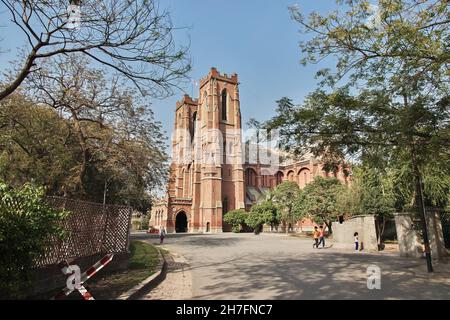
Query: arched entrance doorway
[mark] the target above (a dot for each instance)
(181, 222)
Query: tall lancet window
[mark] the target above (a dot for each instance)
(194, 122)
(204, 113)
(224, 104)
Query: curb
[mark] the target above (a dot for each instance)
(138, 289)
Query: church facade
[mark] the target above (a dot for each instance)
(212, 170)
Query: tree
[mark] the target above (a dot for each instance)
(236, 218)
(401, 60)
(371, 192)
(114, 125)
(132, 38)
(436, 181)
(144, 223)
(122, 158)
(36, 145)
(285, 196)
(380, 44)
(318, 200)
(262, 213)
(27, 226)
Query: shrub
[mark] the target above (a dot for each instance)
(236, 218)
(136, 224)
(263, 213)
(27, 225)
(145, 219)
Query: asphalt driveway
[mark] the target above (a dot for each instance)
(246, 266)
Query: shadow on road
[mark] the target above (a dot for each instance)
(242, 267)
(316, 276)
(191, 239)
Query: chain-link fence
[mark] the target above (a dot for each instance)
(91, 229)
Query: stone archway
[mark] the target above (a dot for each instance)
(304, 177)
(181, 222)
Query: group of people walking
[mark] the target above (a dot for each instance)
(319, 237)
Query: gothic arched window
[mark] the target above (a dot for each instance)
(224, 104)
(204, 109)
(194, 120)
(225, 205)
(250, 177)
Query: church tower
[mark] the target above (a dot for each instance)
(206, 173)
(222, 180)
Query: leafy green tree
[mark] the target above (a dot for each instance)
(318, 200)
(284, 196)
(436, 181)
(144, 223)
(371, 192)
(382, 44)
(36, 145)
(400, 58)
(115, 127)
(27, 226)
(348, 199)
(236, 218)
(97, 141)
(262, 213)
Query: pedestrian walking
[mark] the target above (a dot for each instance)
(356, 240)
(316, 237)
(321, 237)
(162, 234)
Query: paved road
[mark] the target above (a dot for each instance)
(245, 266)
(177, 284)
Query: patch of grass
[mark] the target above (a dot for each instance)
(143, 256)
(143, 262)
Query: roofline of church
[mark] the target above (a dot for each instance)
(214, 74)
(186, 100)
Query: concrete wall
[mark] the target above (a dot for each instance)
(435, 235)
(409, 241)
(343, 233)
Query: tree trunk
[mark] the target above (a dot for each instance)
(84, 149)
(104, 193)
(419, 202)
(421, 208)
(328, 224)
(380, 228)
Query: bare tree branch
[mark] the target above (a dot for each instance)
(134, 38)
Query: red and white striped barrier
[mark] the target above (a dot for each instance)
(85, 294)
(69, 270)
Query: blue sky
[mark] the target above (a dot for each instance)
(255, 38)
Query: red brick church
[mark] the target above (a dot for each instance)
(213, 171)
